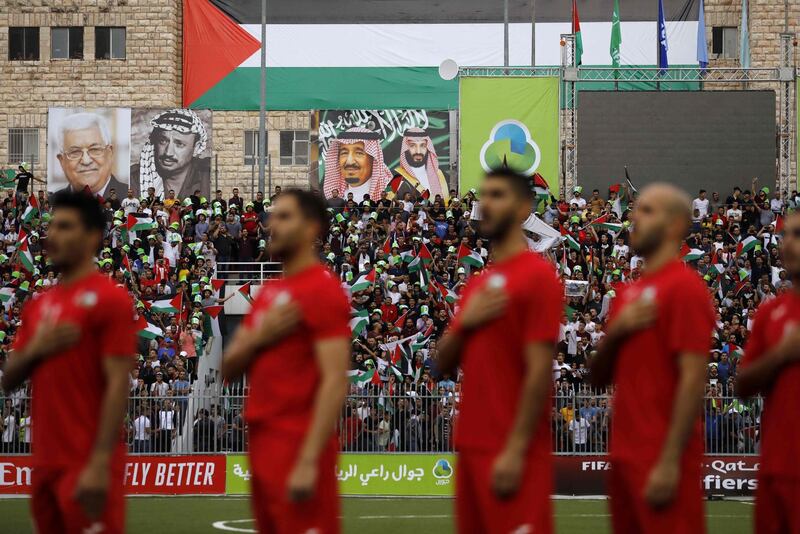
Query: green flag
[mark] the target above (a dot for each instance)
(616, 35)
(576, 29)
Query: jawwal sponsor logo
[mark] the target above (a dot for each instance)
(442, 472)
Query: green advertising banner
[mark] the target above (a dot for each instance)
(509, 119)
(372, 474)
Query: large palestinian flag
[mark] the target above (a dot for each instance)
(385, 54)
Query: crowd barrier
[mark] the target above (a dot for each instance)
(198, 445)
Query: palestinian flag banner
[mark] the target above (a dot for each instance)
(424, 254)
(401, 321)
(415, 265)
(358, 322)
(6, 294)
(172, 305)
(387, 246)
(691, 254)
(576, 29)
(604, 222)
(469, 257)
(448, 295)
(361, 377)
(407, 256)
(222, 42)
(746, 245)
(540, 188)
(363, 282)
(569, 240)
(31, 212)
(138, 223)
(24, 254)
(211, 320)
(125, 266)
(244, 291)
(151, 331)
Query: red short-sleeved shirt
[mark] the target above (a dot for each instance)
(284, 378)
(68, 387)
(780, 437)
(646, 370)
(493, 359)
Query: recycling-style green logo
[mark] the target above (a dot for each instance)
(442, 469)
(510, 142)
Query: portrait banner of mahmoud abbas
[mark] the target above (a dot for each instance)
(88, 148)
(171, 150)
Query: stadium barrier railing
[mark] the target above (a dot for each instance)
(241, 272)
(380, 424)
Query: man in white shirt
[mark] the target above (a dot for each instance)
(141, 433)
(579, 429)
(166, 426)
(159, 388)
(577, 201)
(130, 204)
(734, 213)
(701, 204)
(9, 428)
(25, 427)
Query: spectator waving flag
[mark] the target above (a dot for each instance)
(359, 319)
(32, 211)
(569, 240)
(363, 282)
(690, 254)
(24, 254)
(604, 222)
(150, 331)
(172, 305)
(469, 257)
(746, 245)
(424, 254)
(6, 293)
(137, 223)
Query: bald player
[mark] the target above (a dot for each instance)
(656, 352)
(772, 366)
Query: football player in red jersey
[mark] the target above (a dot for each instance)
(295, 348)
(503, 338)
(656, 351)
(772, 366)
(84, 322)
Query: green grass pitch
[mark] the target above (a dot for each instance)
(178, 515)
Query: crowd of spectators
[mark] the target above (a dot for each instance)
(404, 262)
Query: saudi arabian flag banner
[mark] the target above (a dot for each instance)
(512, 120)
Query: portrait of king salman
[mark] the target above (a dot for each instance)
(418, 173)
(173, 152)
(354, 164)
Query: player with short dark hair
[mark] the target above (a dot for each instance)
(84, 322)
(656, 351)
(771, 366)
(295, 348)
(503, 337)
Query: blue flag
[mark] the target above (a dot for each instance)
(702, 45)
(663, 64)
(744, 38)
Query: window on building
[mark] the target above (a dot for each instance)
(109, 42)
(23, 44)
(251, 147)
(725, 41)
(294, 147)
(66, 43)
(23, 145)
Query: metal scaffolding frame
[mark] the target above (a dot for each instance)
(570, 75)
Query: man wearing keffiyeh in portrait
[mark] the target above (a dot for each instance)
(418, 173)
(170, 159)
(354, 164)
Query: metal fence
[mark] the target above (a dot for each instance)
(167, 423)
(241, 272)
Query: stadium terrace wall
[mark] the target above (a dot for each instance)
(372, 475)
(152, 74)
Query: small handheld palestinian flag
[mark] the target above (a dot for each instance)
(387, 246)
(172, 305)
(469, 257)
(746, 245)
(569, 240)
(363, 282)
(690, 254)
(424, 254)
(244, 291)
(24, 254)
(137, 223)
(32, 211)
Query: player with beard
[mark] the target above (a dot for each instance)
(504, 337)
(656, 351)
(85, 322)
(772, 366)
(295, 348)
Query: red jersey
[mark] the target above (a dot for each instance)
(780, 437)
(646, 370)
(68, 387)
(493, 354)
(284, 377)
